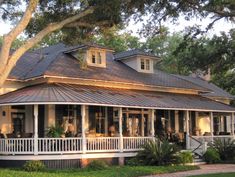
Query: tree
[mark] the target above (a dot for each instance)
(41, 18)
(118, 41)
(216, 54)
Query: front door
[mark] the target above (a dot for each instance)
(18, 120)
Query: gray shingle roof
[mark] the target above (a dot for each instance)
(52, 61)
(216, 91)
(79, 94)
(122, 55)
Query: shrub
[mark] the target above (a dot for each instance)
(97, 165)
(185, 157)
(158, 153)
(211, 156)
(225, 148)
(34, 165)
(133, 162)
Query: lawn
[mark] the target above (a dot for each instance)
(115, 171)
(217, 175)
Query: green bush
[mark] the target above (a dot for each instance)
(185, 157)
(158, 153)
(34, 165)
(211, 156)
(97, 165)
(225, 148)
(133, 162)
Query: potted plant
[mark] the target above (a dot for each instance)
(55, 131)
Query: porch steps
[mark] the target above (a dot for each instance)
(198, 161)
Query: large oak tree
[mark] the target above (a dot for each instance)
(76, 19)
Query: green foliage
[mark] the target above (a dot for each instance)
(211, 156)
(55, 131)
(34, 165)
(97, 165)
(114, 171)
(225, 147)
(133, 162)
(185, 157)
(158, 153)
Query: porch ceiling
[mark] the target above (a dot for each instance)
(55, 93)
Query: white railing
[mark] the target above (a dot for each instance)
(14, 146)
(134, 143)
(199, 143)
(210, 139)
(59, 145)
(102, 144)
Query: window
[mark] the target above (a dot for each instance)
(96, 57)
(145, 64)
(93, 58)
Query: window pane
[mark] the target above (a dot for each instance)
(147, 65)
(99, 58)
(93, 60)
(142, 66)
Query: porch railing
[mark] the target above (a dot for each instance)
(103, 144)
(17, 146)
(14, 146)
(200, 143)
(59, 145)
(134, 143)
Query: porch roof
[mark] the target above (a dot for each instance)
(57, 93)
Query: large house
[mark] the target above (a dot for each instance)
(66, 105)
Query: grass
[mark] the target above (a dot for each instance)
(217, 175)
(114, 171)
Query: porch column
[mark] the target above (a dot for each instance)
(212, 125)
(83, 114)
(120, 129)
(232, 122)
(187, 129)
(176, 121)
(106, 121)
(35, 113)
(152, 122)
(142, 122)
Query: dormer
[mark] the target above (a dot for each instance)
(91, 55)
(138, 60)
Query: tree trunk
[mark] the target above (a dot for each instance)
(7, 61)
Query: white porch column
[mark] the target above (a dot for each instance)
(152, 122)
(83, 114)
(187, 129)
(176, 121)
(120, 129)
(35, 113)
(232, 124)
(228, 123)
(212, 125)
(142, 122)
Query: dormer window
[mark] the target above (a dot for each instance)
(145, 64)
(96, 57)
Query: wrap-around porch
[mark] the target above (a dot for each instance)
(104, 122)
(88, 130)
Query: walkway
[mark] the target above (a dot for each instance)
(205, 169)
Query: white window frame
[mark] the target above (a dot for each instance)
(99, 60)
(146, 64)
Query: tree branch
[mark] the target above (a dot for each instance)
(85, 24)
(37, 38)
(13, 34)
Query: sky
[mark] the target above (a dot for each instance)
(218, 26)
